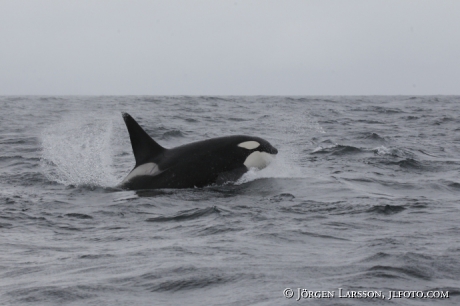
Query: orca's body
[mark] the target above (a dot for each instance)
(197, 164)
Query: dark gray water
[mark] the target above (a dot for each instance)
(363, 196)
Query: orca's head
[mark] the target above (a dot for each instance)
(259, 152)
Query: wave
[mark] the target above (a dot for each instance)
(444, 119)
(406, 163)
(401, 272)
(78, 216)
(216, 98)
(386, 209)
(409, 163)
(218, 229)
(187, 215)
(337, 150)
(379, 109)
(197, 282)
(408, 160)
(172, 134)
(150, 99)
(45, 294)
(410, 265)
(373, 136)
(382, 150)
(282, 197)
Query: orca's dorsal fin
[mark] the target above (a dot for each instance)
(144, 147)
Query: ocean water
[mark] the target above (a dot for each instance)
(363, 196)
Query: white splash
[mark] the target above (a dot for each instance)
(382, 150)
(78, 151)
(278, 168)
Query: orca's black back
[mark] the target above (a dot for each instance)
(196, 164)
(201, 163)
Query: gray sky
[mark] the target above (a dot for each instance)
(220, 47)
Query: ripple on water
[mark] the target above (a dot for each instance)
(337, 150)
(187, 215)
(386, 209)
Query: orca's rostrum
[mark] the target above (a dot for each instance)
(197, 164)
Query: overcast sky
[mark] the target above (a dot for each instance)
(219, 47)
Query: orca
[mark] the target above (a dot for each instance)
(198, 164)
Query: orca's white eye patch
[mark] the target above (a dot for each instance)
(249, 145)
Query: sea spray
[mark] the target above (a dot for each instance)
(78, 151)
(278, 168)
